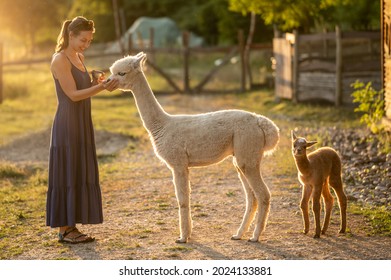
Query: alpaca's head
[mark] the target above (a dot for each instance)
(300, 145)
(126, 69)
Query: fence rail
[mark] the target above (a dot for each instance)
(185, 51)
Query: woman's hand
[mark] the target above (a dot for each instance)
(97, 77)
(110, 85)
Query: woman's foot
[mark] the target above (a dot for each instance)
(73, 235)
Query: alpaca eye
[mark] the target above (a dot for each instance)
(121, 73)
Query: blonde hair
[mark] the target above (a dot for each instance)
(75, 26)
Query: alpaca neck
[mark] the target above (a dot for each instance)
(151, 113)
(303, 164)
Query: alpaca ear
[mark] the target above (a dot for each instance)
(143, 59)
(293, 135)
(140, 59)
(311, 143)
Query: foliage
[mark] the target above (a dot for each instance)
(371, 104)
(309, 14)
(211, 20)
(101, 12)
(31, 20)
(351, 14)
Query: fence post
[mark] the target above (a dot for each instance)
(242, 61)
(1, 72)
(152, 43)
(130, 43)
(338, 66)
(185, 43)
(117, 25)
(295, 68)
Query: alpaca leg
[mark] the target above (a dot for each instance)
(262, 196)
(182, 191)
(251, 207)
(306, 195)
(316, 209)
(328, 201)
(336, 184)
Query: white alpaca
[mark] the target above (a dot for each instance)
(184, 141)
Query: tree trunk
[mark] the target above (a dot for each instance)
(118, 26)
(248, 47)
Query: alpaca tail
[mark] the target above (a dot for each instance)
(271, 134)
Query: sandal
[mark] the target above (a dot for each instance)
(77, 237)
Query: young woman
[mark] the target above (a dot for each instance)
(74, 194)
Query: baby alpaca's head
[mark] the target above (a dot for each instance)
(126, 69)
(299, 145)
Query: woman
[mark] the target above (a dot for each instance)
(74, 194)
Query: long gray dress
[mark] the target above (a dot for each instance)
(74, 194)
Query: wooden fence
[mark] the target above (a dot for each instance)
(185, 51)
(323, 66)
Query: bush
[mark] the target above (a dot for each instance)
(371, 105)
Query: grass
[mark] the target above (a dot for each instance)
(29, 102)
(29, 106)
(23, 196)
(379, 218)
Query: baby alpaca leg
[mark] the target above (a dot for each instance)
(336, 183)
(182, 191)
(316, 209)
(251, 208)
(328, 202)
(306, 195)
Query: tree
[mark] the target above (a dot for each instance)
(31, 20)
(101, 12)
(311, 14)
(351, 14)
(286, 14)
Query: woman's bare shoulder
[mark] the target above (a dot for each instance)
(59, 58)
(59, 63)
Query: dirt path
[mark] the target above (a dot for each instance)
(141, 219)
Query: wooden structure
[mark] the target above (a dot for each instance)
(386, 56)
(323, 66)
(185, 51)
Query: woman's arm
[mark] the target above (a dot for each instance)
(61, 69)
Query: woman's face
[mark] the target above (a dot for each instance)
(81, 42)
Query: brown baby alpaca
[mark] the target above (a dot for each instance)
(316, 171)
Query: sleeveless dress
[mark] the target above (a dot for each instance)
(74, 194)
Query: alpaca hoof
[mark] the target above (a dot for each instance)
(305, 231)
(253, 239)
(323, 231)
(181, 240)
(342, 231)
(317, 236)
(236, 237)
